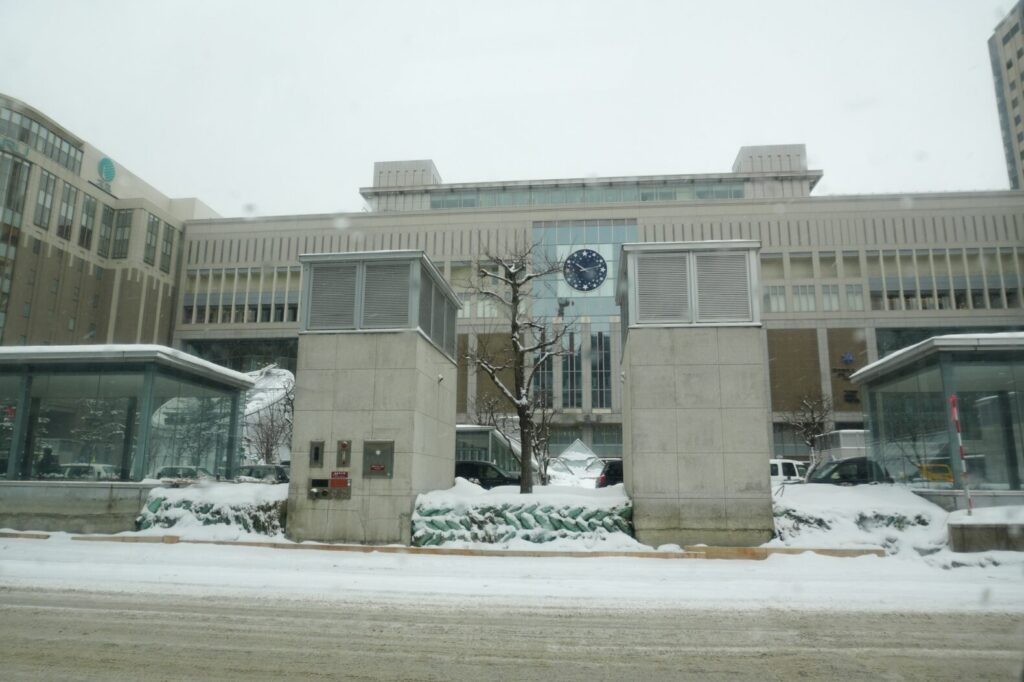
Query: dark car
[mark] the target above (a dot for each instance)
(485, 474)
(262, 473)
(850, 471)
(611, 474)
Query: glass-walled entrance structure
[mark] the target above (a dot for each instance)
(115, 413)
(907, 409)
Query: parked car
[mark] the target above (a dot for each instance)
(611, 474)
(930, 471)
(262, 473)
(484, 474)
(787, 471)
(850, 471)
(90, 472)
(183, 474)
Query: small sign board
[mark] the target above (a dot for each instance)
(339, 474)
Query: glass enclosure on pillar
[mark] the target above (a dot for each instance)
(115, 413)
(908, 402)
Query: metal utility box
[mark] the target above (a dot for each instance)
(316, 453)
(344, 454)
(378, 458)
(333, 488)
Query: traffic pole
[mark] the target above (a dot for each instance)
(955, 412)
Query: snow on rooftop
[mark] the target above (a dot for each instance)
(133, 352)
(963, 342)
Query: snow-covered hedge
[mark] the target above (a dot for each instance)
(887, 516)
(468, 514)
(219, 511)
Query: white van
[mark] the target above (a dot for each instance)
(787, 471)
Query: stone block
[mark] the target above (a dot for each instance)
(741, 345)
(316, 352)
(356, 351)
(744, 385)
(656, 474)
(314, 390)
(653, 431)
(701, 513)
(698, 431)
(654, 514)
(395, 389)
(650, 347)
(746, 475)
(397, 350)
(397, 426)
(751, 515)
(701, 475)
(652, 386)
(697, 386)
(745, 430)
(694, 346)
(354, 390)
(311, 426)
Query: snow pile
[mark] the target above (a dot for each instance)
(272, 385)
(1010, 514)
(831, 516)
(559, 518)
(216, 511)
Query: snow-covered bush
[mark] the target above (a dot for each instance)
(467, 513)
(220, 511)
(887, 516)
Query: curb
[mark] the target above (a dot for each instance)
(689, 552)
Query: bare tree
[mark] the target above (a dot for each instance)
(494, 411)
(525, 350)
(810, 418)
(270, 427)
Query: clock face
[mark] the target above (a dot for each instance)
(585, 270)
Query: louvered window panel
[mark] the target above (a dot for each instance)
(332, 296)
(449, 330)
(426, 298)
(662, 288)
(438, 323)
(386, 296)
(723, 288)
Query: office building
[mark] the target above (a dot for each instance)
(1006, 51)
(845, 279)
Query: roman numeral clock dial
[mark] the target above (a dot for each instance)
(585, 270)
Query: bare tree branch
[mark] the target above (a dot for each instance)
(528, 346)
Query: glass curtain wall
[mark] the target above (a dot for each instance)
(191, 428)
(114, 426)
(911, 430)
(10, 395)
(908, 428)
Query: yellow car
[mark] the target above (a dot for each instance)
(936, 472)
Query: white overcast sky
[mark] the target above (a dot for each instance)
(264, 108)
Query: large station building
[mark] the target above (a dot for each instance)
(91, 254)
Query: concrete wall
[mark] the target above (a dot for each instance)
(370, 387)
(72, 507)
(697, 435)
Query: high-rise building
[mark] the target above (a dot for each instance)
(1006, 50)
(89, 253)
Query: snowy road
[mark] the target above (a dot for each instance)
(73, 610)
(60, 635)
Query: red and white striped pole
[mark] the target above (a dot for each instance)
(963, 458)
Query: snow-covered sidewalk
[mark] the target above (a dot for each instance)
(806, 581)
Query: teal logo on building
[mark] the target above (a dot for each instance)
(107, 169)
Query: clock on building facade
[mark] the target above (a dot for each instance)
(585, 270)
